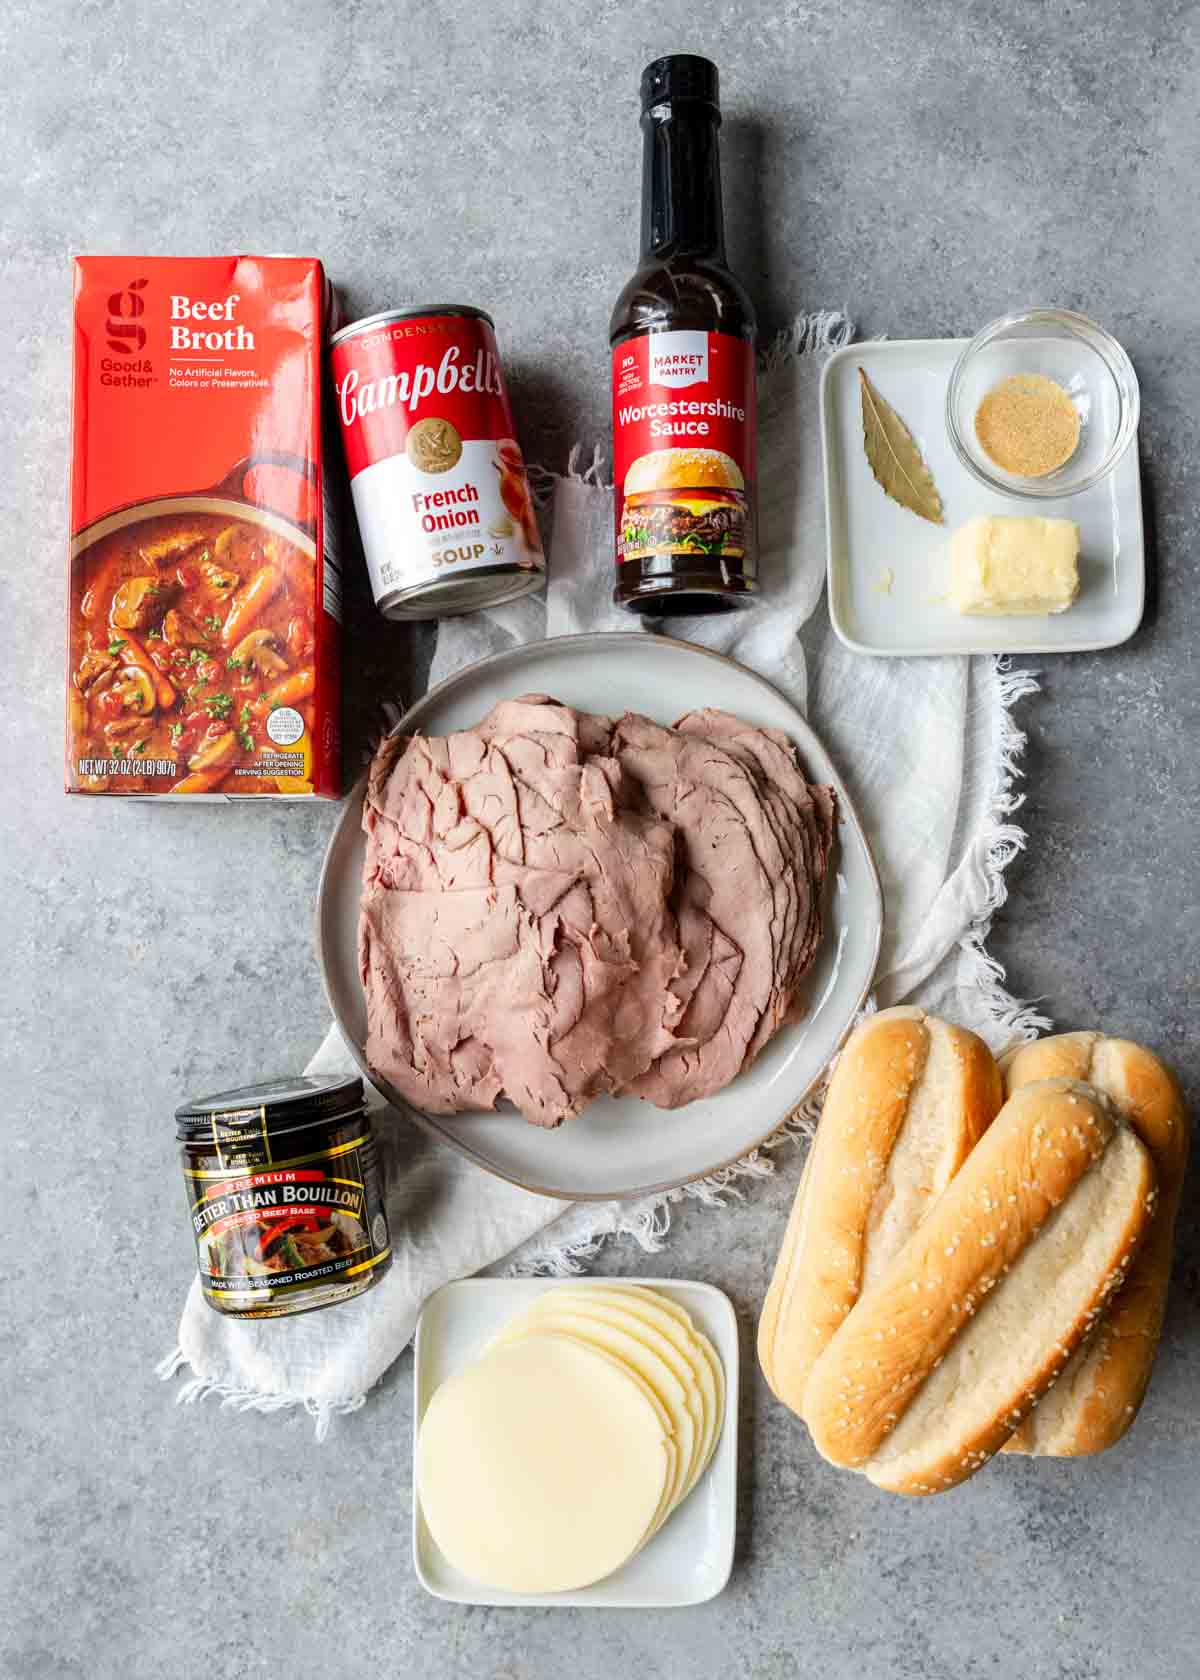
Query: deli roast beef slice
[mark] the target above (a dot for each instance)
(558, 905)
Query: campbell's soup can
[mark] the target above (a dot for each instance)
(438, 479)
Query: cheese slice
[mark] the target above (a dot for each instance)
(1005, 563)
(705, 1353)
(543, 1466)
(686, 1416)
(667, 1327)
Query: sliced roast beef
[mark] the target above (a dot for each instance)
(733, 876)
(556, 906)
(804, 815)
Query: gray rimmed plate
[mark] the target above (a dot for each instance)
(620, 1146)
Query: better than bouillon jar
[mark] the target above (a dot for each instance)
(285, 1195)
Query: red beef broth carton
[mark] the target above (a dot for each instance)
(204, 597)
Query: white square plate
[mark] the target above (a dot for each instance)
(869, 535)
(689, 1559)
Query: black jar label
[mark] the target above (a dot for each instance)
(267, 1228)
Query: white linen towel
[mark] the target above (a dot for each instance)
(929, 753)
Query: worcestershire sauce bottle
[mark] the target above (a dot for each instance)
(683, 367)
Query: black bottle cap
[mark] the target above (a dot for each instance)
(681, 77)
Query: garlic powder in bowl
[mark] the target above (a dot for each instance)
(1042, 404)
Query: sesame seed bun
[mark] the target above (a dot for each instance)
(939, 1361)
(1097, 1397)
(908, 1101)
(684, 469)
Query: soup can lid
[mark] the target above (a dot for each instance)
(275, 1104)
(369, 323)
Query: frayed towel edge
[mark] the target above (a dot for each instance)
(252, 1399)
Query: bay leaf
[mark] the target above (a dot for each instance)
(894, 458)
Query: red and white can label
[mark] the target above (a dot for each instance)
(437, 476)
(684, 432)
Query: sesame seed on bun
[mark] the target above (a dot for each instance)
(683, 469)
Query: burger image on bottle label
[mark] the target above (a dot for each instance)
(684, 501)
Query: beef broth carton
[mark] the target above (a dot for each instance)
(204, 600)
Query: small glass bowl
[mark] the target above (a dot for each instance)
(1084, 359)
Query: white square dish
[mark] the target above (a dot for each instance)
(888, 569)
(690, 1558)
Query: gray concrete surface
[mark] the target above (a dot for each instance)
(926, 164)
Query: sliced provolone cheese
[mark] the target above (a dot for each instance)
(664, 1337)
(687, 1425)
(543, 1466)
(675, 1323)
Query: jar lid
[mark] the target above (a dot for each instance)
(275, 1105)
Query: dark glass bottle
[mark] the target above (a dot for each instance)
(686, 510)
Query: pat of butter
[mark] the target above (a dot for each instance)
(1003, 563)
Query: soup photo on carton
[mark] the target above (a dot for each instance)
(203, 598)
